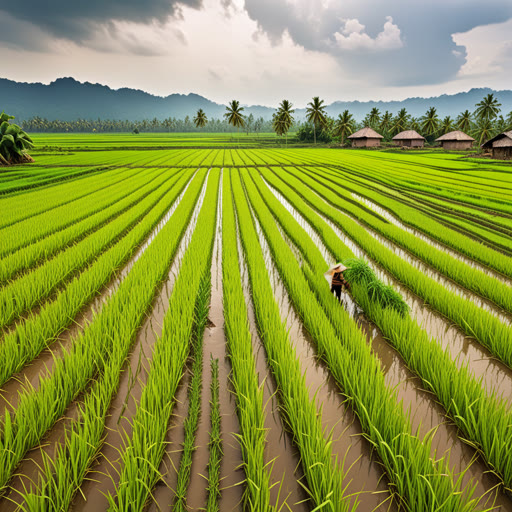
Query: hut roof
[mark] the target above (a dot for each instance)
(503, 140)
(366, 133)
(408, 135)
(456, 135)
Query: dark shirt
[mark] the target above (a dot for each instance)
(338, 279)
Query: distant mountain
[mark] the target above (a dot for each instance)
(67, 99)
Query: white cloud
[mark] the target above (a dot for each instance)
(488, 49)
(354, 37)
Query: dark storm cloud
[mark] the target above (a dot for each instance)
(77, 20)
(427, 54)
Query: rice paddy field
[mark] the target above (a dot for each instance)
(169, 340)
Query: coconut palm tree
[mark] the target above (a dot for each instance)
(488, 108)
(415, 124)
(484, 131)
(401, 121)
(386, 123)
(234, 115)
(509, 121)
(464, 121)
(284, 113)
(344, 125)
(200, 120)
(430, 121)
(315, 113)
(279, 124)
(374, 117)
(447, 125)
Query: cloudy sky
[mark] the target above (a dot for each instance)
(261, 51)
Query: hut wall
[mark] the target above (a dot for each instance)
(409, 143)
(456, 145)
(365, 143)
(502, 153)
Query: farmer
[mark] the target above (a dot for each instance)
(338, 281)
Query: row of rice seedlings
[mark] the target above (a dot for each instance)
(436, 174)
(422, 483)
(44, 249)
(382, 293)
(34, 203)
(38, 410)
(473, 279)
(215, 443)
(431, 204)
(323, 472)
(143, 452)
(194, 396)
(476, 280)
(31, 288)
(248, 393)
(21, 234)
(462, 396)
(436, 204)
(30, 182)
(484, 420)
(27, 340)
(474, 321)
(408, 210)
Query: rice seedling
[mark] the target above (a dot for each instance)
(324, 474)
(460, 272)
(30, 289)
(473, 320)
(215, 444)
(248, 392)
(128, 196)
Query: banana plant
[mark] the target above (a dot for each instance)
(14, 142)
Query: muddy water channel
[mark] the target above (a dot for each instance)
(286, 468)
(118, 426)
(231, 474)
(364, 474)
(425, 412)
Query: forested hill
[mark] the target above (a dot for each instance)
(67, 99)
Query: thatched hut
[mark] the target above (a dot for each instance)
(365, 138)
(456, 140)
(409, 139)
(501, 146)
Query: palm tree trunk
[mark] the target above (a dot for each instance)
(314, 133)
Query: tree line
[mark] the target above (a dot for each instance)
(483, 123)
(168, 125)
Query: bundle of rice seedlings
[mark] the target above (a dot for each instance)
(358, 271)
